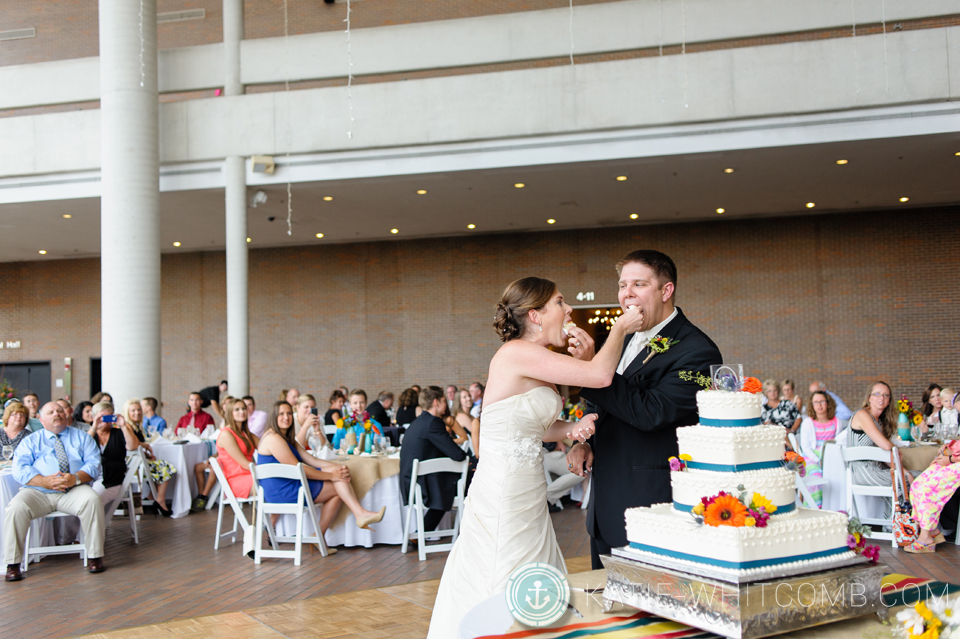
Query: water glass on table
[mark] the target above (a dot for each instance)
(6, 452)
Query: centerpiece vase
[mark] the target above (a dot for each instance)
(903, 428)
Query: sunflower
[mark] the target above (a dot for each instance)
(903, 406)
(917, 419)
(762, 503)
(725, 510)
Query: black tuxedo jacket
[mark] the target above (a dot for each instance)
(426, 438)
(379, 414)
(638, 416)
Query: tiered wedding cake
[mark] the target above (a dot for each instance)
(733, 500)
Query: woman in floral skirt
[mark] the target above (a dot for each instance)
(930, 492)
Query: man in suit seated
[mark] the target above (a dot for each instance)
(378, 413)
(427, 438)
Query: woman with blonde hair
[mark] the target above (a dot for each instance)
(116, 441)
(788, 390)
(16, 418)
(235, 447)
(160, 470)
(873, 424)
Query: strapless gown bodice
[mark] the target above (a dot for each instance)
(505, 521)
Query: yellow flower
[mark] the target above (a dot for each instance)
(749, 521)
(917, 419)
(856, 537)
(924, 611)
(339, 423)
(761, 502)
(686, 457)
(698, 509)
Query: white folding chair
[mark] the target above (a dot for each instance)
(265, 509)
(146, 479)
(214, 496)
(330, 430)
(66, 549)
(126, 494)
(416, 504)
(235, 503)
(804, 484)
(870, 453)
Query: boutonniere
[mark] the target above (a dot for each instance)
(659, 345)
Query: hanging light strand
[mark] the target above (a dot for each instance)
(683, 51)
(660, 62)
(349, 74)
(286, 85)
(856, 55)
(143, 67)
(571, 32)
(886, 68)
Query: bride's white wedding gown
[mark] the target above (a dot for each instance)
(505, 523)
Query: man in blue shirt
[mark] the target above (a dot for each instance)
(56, 466)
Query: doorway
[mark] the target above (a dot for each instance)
(96, 381)
(27, 377)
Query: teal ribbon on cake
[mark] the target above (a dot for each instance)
(734, 468)
(739, 565)
(730, 423)
(780, 509)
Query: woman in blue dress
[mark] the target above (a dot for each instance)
(329, 482)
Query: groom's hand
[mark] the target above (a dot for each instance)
(581, 345)
(580, 459)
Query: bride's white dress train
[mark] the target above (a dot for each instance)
(505, 523)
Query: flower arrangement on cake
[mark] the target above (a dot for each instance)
(678, 464)
(939, 620)
(721, 380)
(795, 462)
(725, 509)
(857, 535)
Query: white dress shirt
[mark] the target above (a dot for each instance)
(640, 341)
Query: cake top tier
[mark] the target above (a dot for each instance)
(729, 408)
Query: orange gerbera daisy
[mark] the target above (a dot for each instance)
(725, 510)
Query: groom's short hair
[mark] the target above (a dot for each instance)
(660, 263)
(430, 394)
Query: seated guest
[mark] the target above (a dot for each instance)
(378, 413)
(461, 410)
(195, 416)
(788, 391)
(335, 412)
(779, 411)
(555, 462)
(83, 414)
(101, 397)
(931, 408)
(206, 480)
(32, 402)
(355, 419)
(150, 417)
(451, 392)
(161, 471)
(68, 412)
(818, 427)
(306, 416)
(873, 425)
(55, 466)
(329, 482)
(235, 448)
(427, 438)
(408, 407)
(476, 392)
(16, 417)
(949, 417)
(843, 413)
(256, 419)
(115, 441)
(456, 432)
(929, 494)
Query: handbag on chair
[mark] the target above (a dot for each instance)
(905, 527)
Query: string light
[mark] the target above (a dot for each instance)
(683, 51)
(286, 84)
(856, 55)
(571, 32)
(883, 19)
(349, 74)
(143, 67)
(660, 62)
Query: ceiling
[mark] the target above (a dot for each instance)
(765, 182)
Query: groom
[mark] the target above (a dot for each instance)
(639, 412)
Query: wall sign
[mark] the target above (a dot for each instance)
(9, 344)
(585, 297)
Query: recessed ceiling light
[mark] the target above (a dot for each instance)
(634, 216)
(721, 210)
(394, 231)
(471, 226)
(957, 153)
(728, 170)
(319, 236)
(67, 216)
(176, 243)
(42, 252)
(841, 161)
(421, 192)
(810, 205)
(551, 221)
(621, 178)
(519, 185)
(248, 240)
(327, 198)
(904, 199)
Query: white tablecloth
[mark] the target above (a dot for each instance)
(183, 485)
(42, 535)
(385, 492)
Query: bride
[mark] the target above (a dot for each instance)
(505, 520)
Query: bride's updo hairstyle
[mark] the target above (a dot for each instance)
(520, 297)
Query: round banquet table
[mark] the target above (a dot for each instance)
(183, 484)
(376, 480)
(918, 457)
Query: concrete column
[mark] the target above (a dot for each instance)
(235, 195)
(238, 331)
(130, 200)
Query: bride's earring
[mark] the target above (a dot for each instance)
(541, 326)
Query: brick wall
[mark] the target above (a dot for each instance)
(845, 298)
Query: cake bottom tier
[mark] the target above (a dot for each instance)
(810, 538)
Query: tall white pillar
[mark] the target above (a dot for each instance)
(130, 200)
(235, 196)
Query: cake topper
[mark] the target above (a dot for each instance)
(727, 377)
